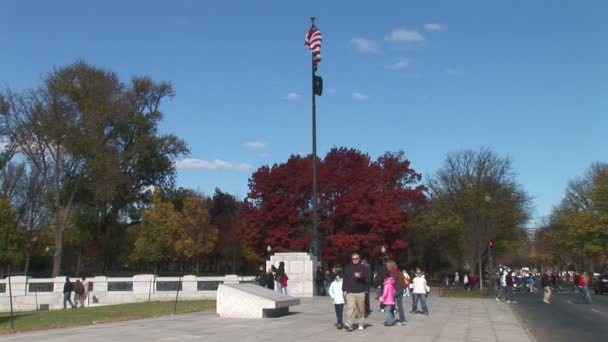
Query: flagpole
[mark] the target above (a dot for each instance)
(315, 243)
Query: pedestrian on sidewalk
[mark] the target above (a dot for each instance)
(388, 299)
(381, 274)
(355, 284)
(368, 306)
(583, 283)
(284, 280)
(546, 284)
(337, 297)
(79, 293)
(399, 285)
(269, 279)
(278, 276)
(68, 287)
(511, 279)
(420, 292)
(320, 281)
(465, 280)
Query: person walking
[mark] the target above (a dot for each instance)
(261, 277)
(284, 280)
(337, 297)
(269, 279)
(546, 284)
(420, 291)
(381, 274)
(320, 281)
(510, 279)
(388, 299)
(68, 287)
(79, 293)
(583, 283)
(278, 276)
(399, 285)
(354, 286)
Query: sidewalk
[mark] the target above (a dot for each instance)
(451, 319)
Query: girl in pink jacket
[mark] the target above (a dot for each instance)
(388, 299)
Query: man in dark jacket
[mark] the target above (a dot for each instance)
(354, 285)
(320, 281)
(68, 287)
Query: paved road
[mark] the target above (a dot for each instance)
(451, 319)
(563, 319)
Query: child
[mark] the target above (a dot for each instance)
(284, 284)
(388, 299)
(337, 297)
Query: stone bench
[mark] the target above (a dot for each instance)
(252, 301)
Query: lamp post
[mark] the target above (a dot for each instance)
(489, 245)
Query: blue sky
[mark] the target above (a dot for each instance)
(528, 79)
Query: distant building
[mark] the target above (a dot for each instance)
(531, 234)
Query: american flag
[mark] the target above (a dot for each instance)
(313, 41)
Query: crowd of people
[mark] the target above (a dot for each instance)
(274, 278)
(349, 290)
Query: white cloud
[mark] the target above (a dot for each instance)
(365, 45)
(434, 27)
(404, 36)
(401, 63)
(211, 165)
(360, 96)
(455, 72)
(292, 97)
(265, 155)
(331, 90)
(254, 144)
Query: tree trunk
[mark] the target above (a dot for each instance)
(480, 273)
(78, 261)
(26, 267)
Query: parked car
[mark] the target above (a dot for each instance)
(601, 284)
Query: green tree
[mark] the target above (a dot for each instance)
(12, 239)
(579, 225)
(475, 198)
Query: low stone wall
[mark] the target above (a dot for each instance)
(29, 294)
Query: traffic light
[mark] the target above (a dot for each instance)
(491, 243)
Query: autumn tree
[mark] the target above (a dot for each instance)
(156, 235)
(195, 235)
(362, 204)
(224, 211)
(474, 198)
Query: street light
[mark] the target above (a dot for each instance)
(490, 245)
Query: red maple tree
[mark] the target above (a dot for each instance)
(361, 204)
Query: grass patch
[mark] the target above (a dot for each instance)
(459, 293)
(27, 321)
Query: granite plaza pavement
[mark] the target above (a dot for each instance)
(451, 319)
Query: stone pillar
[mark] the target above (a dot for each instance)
(143, 286)
(18, 285)
(300, 269)
(189, 283)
